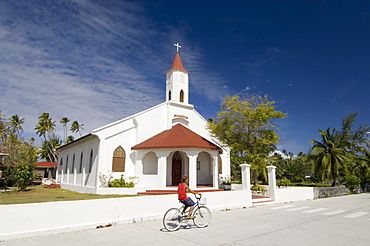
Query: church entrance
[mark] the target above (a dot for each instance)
(176, 168)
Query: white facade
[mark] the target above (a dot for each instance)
(82, 162)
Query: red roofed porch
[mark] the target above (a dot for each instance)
(177, 152)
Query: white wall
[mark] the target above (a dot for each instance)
(294, 194)
(24, 220)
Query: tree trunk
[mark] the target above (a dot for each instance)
(255, 177)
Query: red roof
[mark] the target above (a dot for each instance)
(3, 151)
(177, 64)
(178, 137)
(47, 164)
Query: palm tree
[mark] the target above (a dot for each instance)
(32, 141)
(3, 129)
(64, 121)
(70, 139)
(76, 127)
(48, 148)
(330, 155)
(14, 124)
(45, 124)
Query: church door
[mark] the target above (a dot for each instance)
(176, 172)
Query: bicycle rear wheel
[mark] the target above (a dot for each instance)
(202, 216)
(172, 219)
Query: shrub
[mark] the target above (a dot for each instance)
(122, 183)
(352, 181)
(283, 182)
(259, 189)
(25, 174)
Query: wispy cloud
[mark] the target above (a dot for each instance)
(90, 61)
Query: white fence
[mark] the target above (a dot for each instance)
(29, 220)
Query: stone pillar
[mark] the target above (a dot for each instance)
(246, 176)
(246, 179)
(193, 171)
(215, 171)
(272, 181)
(162, 171)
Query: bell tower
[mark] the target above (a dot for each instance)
(177, 81)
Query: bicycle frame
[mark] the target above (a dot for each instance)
(201, 216)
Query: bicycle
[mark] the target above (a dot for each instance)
(173, 218)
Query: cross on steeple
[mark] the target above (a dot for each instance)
(177, 47)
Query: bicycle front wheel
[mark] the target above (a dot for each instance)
(202, 216)
(172, 219)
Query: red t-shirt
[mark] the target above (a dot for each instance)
(182, 192)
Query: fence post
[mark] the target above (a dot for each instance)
(272, 181)
(246, 179)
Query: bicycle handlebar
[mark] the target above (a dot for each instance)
(198, 196)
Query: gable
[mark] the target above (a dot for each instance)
(177, 137)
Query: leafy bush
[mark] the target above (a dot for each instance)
(259, 189)
(284, 182)
(352, 181)
(122, 183)
(25, 174)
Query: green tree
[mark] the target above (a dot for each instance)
(18, 168)
(330, 156)
(45, 125)
(48, 148)
(14, 124)
(353, 140)
(341, 153)
(64, 121)
(45, 128)
(76, 127)
(3, 129)
(245, 125)
(70, 139)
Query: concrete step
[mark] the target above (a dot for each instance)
(52, 186)
(166, 192)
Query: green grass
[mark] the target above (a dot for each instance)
(38, 193)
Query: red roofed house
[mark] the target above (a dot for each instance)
(46, 169)
(158, 145)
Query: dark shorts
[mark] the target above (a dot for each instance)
(188, 202)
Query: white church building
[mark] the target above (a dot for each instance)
(158, 146)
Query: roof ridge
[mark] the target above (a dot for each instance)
(179, 136)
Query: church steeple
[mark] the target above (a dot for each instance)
(177, 80)
(177, 64)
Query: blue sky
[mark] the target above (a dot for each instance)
(100, 61)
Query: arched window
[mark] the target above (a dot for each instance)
(91, 161)
(118, 162)
(181, 96)
(73, 165)
(169, 96)
(219, 165)
(61, 165)
(81, 163)
(66, 167)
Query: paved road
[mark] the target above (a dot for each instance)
(332, 221)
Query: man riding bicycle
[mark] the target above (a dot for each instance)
(182, 189)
